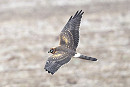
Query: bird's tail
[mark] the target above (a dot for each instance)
(78, 55)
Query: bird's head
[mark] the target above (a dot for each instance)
(52, 50)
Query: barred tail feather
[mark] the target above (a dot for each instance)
(78, 55)
(87, 58)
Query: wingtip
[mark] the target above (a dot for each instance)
(80, 12)
(52, 73)
(49, 71)
(77, 14)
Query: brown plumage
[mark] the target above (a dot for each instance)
(69, 38)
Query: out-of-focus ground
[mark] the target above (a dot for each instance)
(29, 28)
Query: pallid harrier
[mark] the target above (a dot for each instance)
(69, 38)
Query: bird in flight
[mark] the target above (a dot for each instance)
(69, 38)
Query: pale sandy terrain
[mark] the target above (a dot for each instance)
(29, 28)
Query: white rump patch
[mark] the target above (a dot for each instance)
(77, 55)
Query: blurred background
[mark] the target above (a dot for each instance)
(29, 28)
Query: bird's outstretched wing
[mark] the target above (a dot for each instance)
(69, 36)
(56, 61)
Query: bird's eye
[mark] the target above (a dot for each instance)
(51, 50)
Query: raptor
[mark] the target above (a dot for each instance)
(69, 38)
